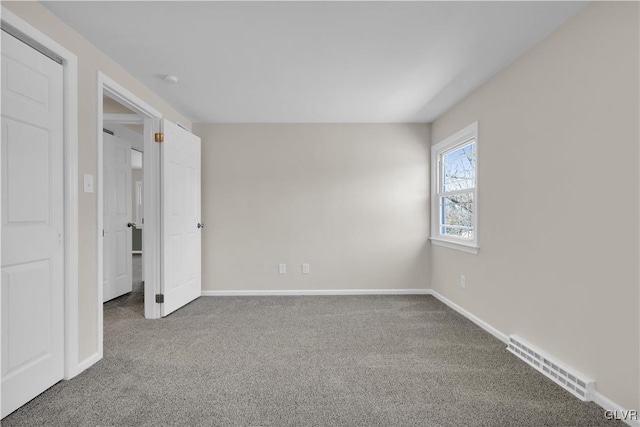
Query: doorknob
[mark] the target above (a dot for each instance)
(200, 225)
(132, 224)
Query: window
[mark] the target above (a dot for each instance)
(454, 201)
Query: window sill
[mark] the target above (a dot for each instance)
(455, 245)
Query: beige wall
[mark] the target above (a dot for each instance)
(110, 106)
(559, 216)
(558, 199)
(350, 200)
(90, 59)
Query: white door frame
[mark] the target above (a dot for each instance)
(151, 171)
(72, 366)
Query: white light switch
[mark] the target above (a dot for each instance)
(305, 268)
(282, 268)
(88, 183)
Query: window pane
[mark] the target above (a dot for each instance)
(459, 168)
(456, 215)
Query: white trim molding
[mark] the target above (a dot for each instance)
(89, 361)
(601, 400)
(70, 117)
(452, 245)
(309, 292)
(609, 405)
(475, 319)
(151, 164)
(466, 136)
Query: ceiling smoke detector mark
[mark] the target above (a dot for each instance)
(418, 85)
(170, 78)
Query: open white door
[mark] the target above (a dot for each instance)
(117, 277)
(32, 224)
(181, 227)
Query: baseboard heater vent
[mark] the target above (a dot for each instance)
(579, 385)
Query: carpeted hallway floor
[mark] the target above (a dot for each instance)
(304, 361)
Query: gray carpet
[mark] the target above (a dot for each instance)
(133, 300)
(304, 361)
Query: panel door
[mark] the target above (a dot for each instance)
(117, 240)
(32, 224)
(181, 228)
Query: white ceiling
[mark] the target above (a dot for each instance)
(358, 62)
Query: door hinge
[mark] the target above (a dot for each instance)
(159, 137)
(160, 298)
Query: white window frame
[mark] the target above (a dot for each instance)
(456, 140)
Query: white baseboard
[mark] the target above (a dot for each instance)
(609, 405)
(86, 364)
(484, 325)
(598, 398)
(302, 292)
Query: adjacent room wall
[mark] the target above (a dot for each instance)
(349, 199)
(558, 199)
(136, 233)
(90, 60)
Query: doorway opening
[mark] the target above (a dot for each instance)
(133, 124)
(123, 206)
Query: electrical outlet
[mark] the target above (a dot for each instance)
(282, 268)
(305, 268)
(463, 281)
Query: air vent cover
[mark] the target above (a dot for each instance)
(572, 381)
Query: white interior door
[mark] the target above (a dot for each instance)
(117, 240)
(181, 228)
(32, 224)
